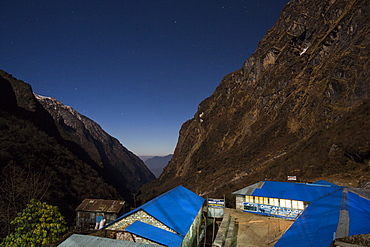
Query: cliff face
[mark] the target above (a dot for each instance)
(125, 168)
(298, 91)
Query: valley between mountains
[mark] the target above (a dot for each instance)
(299, 106)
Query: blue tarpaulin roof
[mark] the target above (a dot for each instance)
(317, 224)
(321, 222)
(359, 214)
(292, 191)
(155, 234)
(176, 209)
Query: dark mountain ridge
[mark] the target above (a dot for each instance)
(124, 167)
(57, 155)
(298, 106)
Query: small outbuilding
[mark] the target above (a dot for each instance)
(171, 219)
(322, 210)
(95, 213)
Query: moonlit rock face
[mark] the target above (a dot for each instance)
(305, 88)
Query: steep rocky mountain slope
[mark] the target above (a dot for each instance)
(125, 169)
(61, 161)
(298, 106)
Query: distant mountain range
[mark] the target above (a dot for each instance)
(299, 106)
(50, 152)
(157, 164)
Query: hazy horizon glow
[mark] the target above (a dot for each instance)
(137, 68)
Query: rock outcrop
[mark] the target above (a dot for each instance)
(298, 106)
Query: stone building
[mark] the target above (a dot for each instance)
(171, 219)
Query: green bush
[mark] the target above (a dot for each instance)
(37, 225)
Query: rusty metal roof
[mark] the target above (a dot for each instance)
(100, 205)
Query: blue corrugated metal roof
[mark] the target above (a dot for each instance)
(79, 240)
(176, 209)
(293, 191)
(155, 234)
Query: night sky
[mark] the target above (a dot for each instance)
(138, 68)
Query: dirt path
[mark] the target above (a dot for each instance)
(258, 230)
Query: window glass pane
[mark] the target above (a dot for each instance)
(300, 205)
(282, 203)
(288, 203)
(275, 202)
(266, 200)
(259, 199)
(295, 204)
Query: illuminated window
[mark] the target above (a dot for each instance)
(295, 204)
(282, 203)
(266, 200)
(248, 198)
(274, 202)
(300, 205)
(259, 200)
(256, 199)
(288, 203)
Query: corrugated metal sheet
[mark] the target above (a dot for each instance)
(176, 208)
(78, 240)
(292, 191)
(99, 205)
(250, 189)
(155, 234)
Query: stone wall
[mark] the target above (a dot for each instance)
(239, 202)
(138, 216)
(194, 230)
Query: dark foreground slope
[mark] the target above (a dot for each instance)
(298, 106)
(41, 158)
